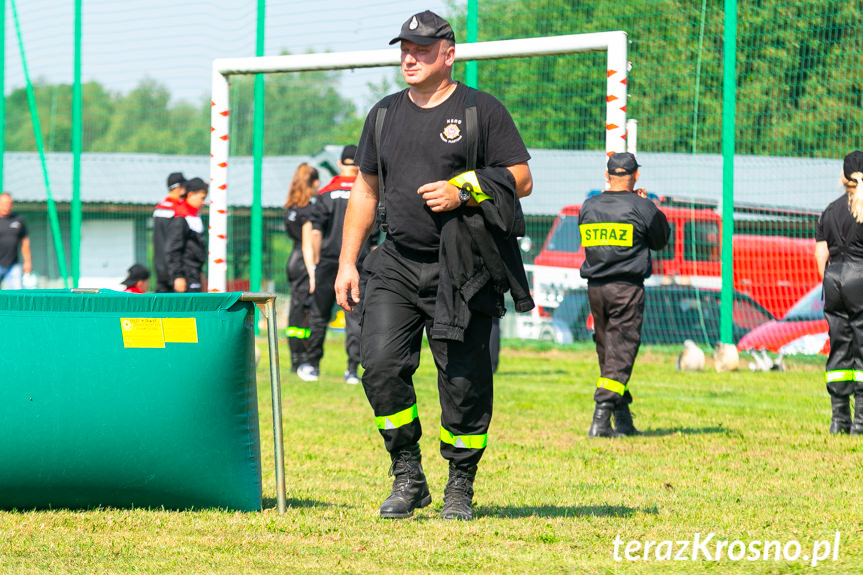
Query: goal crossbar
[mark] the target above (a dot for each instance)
(613, 43)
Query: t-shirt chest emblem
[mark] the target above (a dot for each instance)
(451, 132)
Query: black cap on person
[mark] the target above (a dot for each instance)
(348, 155)
(195, 184)
(622, 164)
(853, 163)
(176, 179)
(136, 273)
(425, 28)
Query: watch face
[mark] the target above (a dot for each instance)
(463, 194)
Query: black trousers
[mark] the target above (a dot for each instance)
(322, 312)
(298, 313)
(164, 285)
(399, 304)
(843, 308)
(618, 312)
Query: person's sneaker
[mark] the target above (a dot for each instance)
(351, 377)
(308, 372)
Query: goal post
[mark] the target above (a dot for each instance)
(614, 43)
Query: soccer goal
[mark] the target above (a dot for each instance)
(614, 43)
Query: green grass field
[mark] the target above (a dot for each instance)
(745, 456)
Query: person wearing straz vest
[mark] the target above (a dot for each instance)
(443, 167)
(839, 255)
(618, 229)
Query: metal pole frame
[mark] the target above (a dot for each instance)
(729, 107)
(266, 302)
(614, 43)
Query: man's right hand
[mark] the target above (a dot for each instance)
(348, 287)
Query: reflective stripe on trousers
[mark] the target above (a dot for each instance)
(397, 420)
(464, 441)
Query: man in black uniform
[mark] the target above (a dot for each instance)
(839, 254)
(327, 219)
(425, 196)
(162, 216)
(618, 229)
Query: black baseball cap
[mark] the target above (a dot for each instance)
(425, 28)
(136, 273)
(176, 179)
(348, 154)
(853, 163)
(622, 164)
(195, 185)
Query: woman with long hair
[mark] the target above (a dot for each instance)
(298, 210)
(839, 253)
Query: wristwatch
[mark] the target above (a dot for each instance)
(463, 194)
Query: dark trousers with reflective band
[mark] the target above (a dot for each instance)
(298, 313)
(843, 309)
(618, 311)
(399, 303)
(322, 312)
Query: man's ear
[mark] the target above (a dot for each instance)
(450, 55)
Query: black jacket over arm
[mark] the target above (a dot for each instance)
(480, 259)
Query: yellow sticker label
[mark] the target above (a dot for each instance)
(142, 332)
(180, 330)
(606, 235)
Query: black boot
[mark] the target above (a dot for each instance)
(601, 424)
(623, 421)
(841, 419)
(458, 494)
(857, 426)
(410, 489)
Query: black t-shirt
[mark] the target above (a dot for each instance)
(12, 231)
(840, 230)
(423, 145)
(294, 219)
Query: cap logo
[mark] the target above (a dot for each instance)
(414, 23)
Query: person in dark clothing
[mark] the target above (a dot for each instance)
(618, 229)
(13, 237)
(185, 247)
(414, 177)
(298, 211)
(839, 255)
(162, 216)
(326, 242)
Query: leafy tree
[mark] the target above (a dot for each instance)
(799, 87)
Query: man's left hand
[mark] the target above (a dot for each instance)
(440, 196)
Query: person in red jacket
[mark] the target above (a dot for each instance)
(137, 280)
(162, 216)
(185, 249)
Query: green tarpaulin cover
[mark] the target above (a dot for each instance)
(121, 400)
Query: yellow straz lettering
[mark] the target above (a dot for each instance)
(606, 235)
